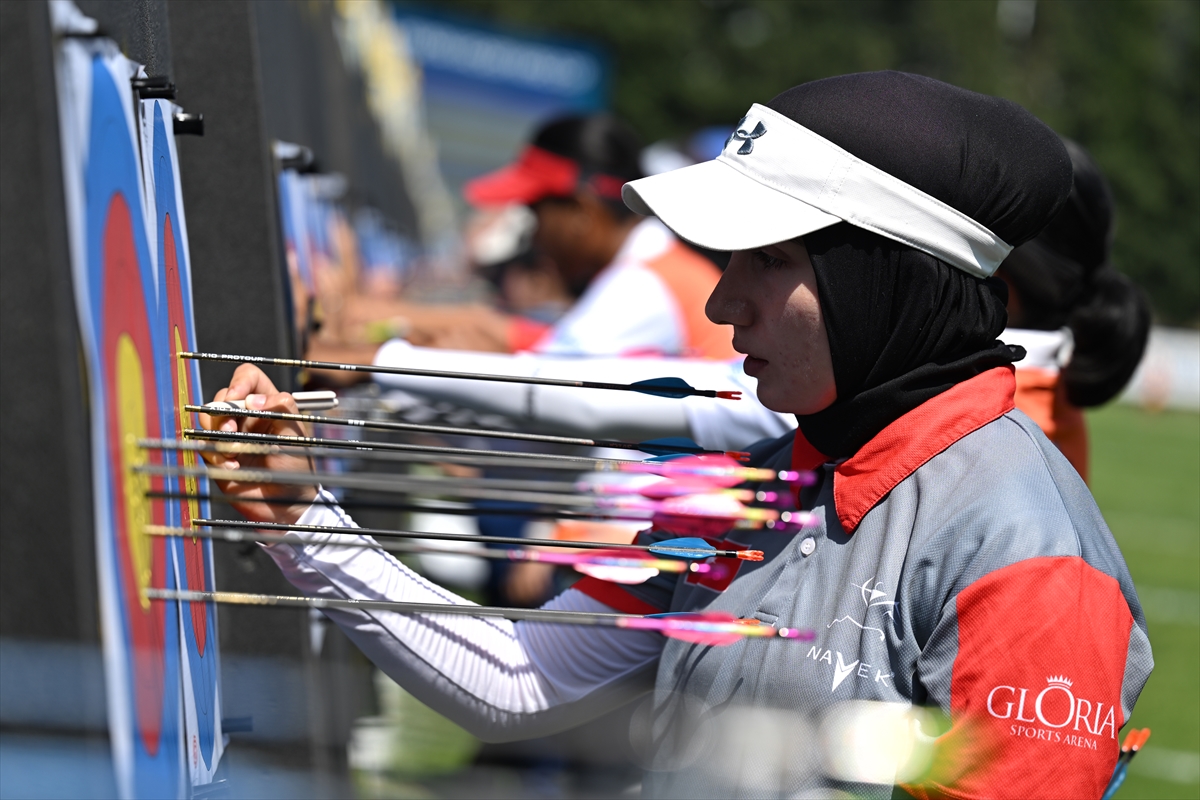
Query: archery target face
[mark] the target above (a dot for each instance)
(124, 343)
(182, 392)
(128, 354)
(181, 387)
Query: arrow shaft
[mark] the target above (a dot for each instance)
(431, 373)
(412, 427)
(516, 491)
(234, 524)
(665, 625)
(383, 425)
(659, 548)
(403, 484)
(234, 442)
(529, 614)
(352, 444)
(472, 511)
(568, 559)
(367, 451)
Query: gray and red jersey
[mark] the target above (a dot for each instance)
(957, 561)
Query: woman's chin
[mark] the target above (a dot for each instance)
(783, 401)
(775, 400)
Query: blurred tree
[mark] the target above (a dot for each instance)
(1120, 77)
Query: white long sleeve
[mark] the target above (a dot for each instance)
(717, 424)
(498, 679)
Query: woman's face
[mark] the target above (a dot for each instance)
(769, 296)
(579, 234)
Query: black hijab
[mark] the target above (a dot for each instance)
(903, 325)
(1051, 273)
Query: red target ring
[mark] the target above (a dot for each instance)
(127, 356)
(184, 392)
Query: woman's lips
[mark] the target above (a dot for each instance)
(752, 366)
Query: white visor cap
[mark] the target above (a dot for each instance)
(777, 180)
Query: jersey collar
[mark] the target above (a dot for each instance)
(897, 451)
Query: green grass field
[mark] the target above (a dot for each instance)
(1146, 479)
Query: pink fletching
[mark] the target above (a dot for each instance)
(678, 487)
(715, 628)
(692, 526)
(698, 514)
(709, 638)
(721, 470)
(720, 506)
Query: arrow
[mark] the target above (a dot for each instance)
(728, 470)
(705, 514)
(670, 548)
(265, 444)
(617, 566)
(660, 387)
(712, 628)
(539, 512)
(658, 447)
(426, 508)
(707, 628)
(1129, 748)
(721, 470)
(243, 437)
(669, 487)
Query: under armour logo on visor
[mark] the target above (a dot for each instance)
(747, 139)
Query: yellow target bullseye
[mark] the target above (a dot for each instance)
(131, 421)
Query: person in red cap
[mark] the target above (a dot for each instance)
(640, 290)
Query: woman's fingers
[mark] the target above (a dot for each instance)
(279, 403)
(213, 422)
(250, 385)
(247, 499)
(247, 380)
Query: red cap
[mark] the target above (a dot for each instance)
(535, 175)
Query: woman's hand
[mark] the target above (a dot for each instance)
(251, 385)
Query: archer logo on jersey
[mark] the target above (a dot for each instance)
(842, 670)
(870, 593)
(1053, 713)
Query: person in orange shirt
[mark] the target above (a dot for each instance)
(1083, 324)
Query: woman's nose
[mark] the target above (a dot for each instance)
(728, 303)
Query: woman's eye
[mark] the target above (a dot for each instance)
(767, 261)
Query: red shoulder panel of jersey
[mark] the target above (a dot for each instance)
(614, 596)
(1035, 692)
(902, 447)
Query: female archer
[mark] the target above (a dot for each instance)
(957, 561)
